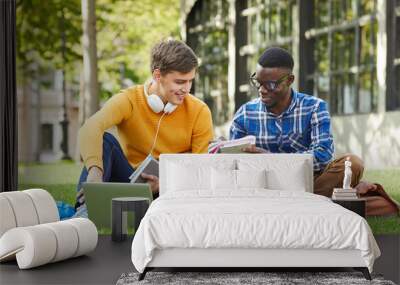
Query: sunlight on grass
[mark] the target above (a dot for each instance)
(53, 173)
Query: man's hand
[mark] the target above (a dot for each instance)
(254, 149)
(363, 187)
(153, 182)
(95, 174)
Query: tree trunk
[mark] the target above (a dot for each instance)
(81, 114)
(90, 89)
(38, 121)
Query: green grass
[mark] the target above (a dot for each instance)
(60, 192)
(384, 225)
(64, 172)
(390, 180)
(60, 180)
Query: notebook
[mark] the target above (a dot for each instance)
(231, 146)
(148, 166)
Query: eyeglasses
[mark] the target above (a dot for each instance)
(270, 85)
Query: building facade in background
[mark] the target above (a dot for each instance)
(346, 52)
(40, 112)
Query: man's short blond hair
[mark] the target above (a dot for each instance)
(173, 55)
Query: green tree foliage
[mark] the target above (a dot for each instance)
(126, 31)
(39, 32)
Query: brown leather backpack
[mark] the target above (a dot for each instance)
(379, 203)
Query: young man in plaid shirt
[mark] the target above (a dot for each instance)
(286, 121)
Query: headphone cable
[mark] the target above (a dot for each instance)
(155, 138)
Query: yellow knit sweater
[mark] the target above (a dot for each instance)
(187, 129)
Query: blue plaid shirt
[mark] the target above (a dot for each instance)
(304, 127)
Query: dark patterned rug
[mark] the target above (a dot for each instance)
(229, 278)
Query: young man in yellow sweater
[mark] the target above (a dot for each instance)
(183, 122)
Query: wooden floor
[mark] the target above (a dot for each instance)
(106, 264)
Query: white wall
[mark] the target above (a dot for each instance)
(373, 137)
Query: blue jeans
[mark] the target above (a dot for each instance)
(116, 168)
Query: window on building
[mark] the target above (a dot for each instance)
(208, 36)
(47, 137)
(269, 23)
(344, 38)
(333, 42)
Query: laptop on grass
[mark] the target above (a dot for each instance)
(98, 198)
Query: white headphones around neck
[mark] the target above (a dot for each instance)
(156, 104)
